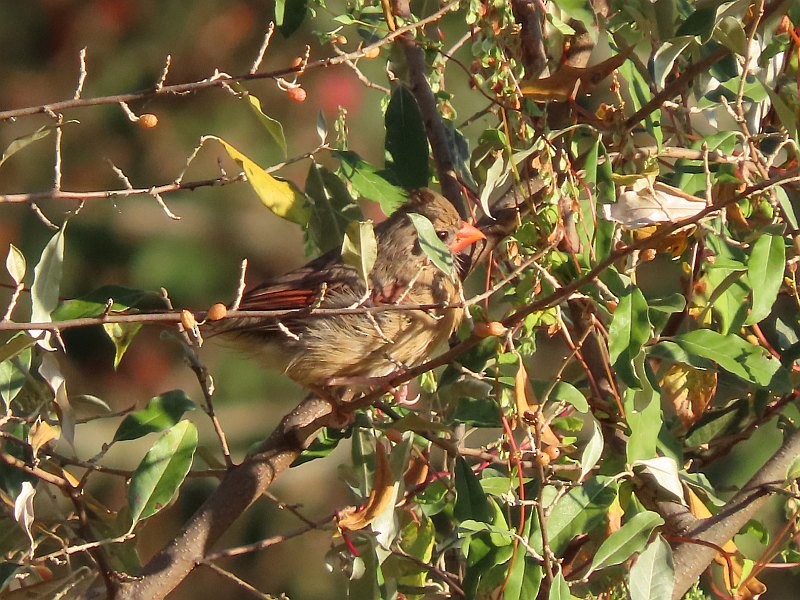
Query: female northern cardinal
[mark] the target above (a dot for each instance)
(323, 351)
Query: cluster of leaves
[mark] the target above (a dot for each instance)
(655, 269)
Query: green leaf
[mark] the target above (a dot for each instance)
(579, 511)
(630, 329)
(665, 57)
(736, 356)
(519, 581)
(593, 450)
(15, 264)
(325, 443)
(121, 335)
(280, 197)
(580, 10)
(162, 412)
(94, 303)
(14, 368)
(47, 279)
(332, 208)
(368, 183)
(273, 126)
(559, 590)
(471, 501)
(700, 23)
(289, 15)
(765, 272)
(160, 474)
(570, 394)
(360, 248)
(434, 248)
(786, 206)
(643, 415)
(626, 541)
(652, 576)
(406, 140)
(25, 140)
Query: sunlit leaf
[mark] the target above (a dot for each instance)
(737, 356)
(47, 280)
(664, 472)
(592, 451)
(360, 248)
(161, 472)
(15, 263)
(434, 248)
(579, 511)
(25, 140)
(765, 271)
(652, 577)
(626, 541)
(280, 197)
(273, 126)
(121, 335)
(630, 329)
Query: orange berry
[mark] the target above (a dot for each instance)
(553, 452)
(296, 94)
(543, 459)
(339, 40)
(372, 52)
(490, 328)
(297, 61)
(148, 120)
(217, 312)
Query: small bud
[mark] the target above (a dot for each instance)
(296, 94)
(297, 61)
(216, 312)
(147, 120)
(647, 254)
(187, 320)
(339, 40)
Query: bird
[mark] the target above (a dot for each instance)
(325, 352)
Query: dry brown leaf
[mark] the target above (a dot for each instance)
(731, 565)
(382, 494)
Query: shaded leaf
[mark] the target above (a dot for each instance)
(471, 501)
(332, 208)
(406, 140)
(159, 476)
(162, 411)
(368, 183)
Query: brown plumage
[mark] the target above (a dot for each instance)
(320, 352)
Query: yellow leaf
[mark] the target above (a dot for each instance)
(689, 391)
(40, 434)
(280, 197)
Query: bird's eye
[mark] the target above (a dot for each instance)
(443, 235)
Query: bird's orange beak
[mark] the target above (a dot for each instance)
(465, 237)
